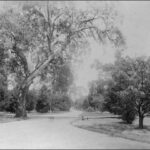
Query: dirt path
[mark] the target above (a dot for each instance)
(56, 131)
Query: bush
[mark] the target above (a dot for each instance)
(11, 104)
(121, 104)
(85, 104)
(42, 106)
(29, 104)
(90, 109)
(30, 101)
(48, 101)
(3, 98)
(129, 111)
(65, 104)
(61, 102)
(128, 116)
(56, 110)
(112, 103)
(78, 104)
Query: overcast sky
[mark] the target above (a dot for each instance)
(135, 27)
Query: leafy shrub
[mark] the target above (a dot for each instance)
(85, 104)
(11, 104)
(47, 101)
(55, 109)
(129, 111)
(30, 104)
(128, 116)
(113, 103)
(78, 104)
(95, 101)
(61, 102)
(42, 106)
(3, 98)
(30, 101)
(90, 109)
(122, 104)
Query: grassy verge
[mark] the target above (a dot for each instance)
(112, 125)
(7, 117)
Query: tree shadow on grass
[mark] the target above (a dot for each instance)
(115, 131)
(87, 117)
(145, 128)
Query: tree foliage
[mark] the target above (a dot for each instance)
(42, 104)
(129, 95)
(94, 100)
(62, 78)
(52, 101)
(48, 36)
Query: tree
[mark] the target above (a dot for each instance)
(140, 85)
(49, 34)
(130, 91)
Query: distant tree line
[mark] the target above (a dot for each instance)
(42, 102)
(49, 98)
(126, 92)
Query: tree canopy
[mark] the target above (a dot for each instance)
(48, 37)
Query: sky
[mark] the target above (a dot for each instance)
(135, 27)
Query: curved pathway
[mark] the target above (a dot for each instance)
(55, 131)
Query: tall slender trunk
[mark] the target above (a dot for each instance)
(141, 118)
(21, 110)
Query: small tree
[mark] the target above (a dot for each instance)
(140, 85)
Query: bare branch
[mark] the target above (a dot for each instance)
(89, 20)
(57, 17)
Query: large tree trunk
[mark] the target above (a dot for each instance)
(141, 118)
(21, 110)
(23, 89)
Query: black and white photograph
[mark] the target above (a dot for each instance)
(74, 74)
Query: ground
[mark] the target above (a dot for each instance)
(114, 126)
(58, 131)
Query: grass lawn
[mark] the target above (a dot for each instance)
(111, 124)
(7, 117)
